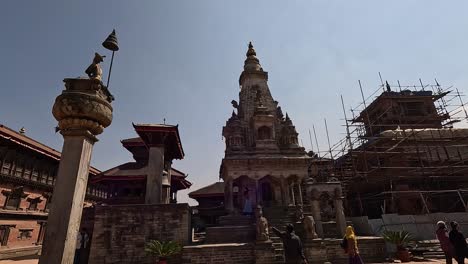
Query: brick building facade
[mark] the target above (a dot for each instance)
(27, 174)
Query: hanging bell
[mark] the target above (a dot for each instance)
(165, 180)
(111, 42)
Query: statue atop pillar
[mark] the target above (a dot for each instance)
(94, 70)
(262, 226)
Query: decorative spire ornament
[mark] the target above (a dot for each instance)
(111, 43)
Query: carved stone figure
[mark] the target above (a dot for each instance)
(94, 70)
(299, 213)
(262, 226)
(279, 113)
(234, 104)
(309, 226)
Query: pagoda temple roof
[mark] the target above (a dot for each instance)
(160, 134)
(27, 142)
(215, 189)
(136, 171)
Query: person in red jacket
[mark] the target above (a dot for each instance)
(443, 237)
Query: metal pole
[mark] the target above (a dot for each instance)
(348, 135)
(316, 141)
(310, 138)
(328, 139)
(110, 69)
(381, 81)
(365, 108)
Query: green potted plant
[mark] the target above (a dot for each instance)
(400, 239)
(162, 250)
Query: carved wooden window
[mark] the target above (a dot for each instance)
(25, 234)
(27, 171)
(48, 197)
(6, 168)
(4, 234)
(13, 198)
(264, 132)
(35, 174)
(45, 175)
(19, 167)
(40, 236)
(50, 179)
(33, 203)
(12, 201)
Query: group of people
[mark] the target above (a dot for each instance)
(453, 243)
(294, 253)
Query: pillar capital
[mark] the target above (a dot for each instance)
(84, 105)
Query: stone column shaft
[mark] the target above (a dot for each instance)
(340, 217)
(154, 175)
(69, 193)
(301, 201)
(293, 197)
(228, 199)
(285, 191)
(315, 206)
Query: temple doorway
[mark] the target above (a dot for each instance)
(246, 194)
(269, 191)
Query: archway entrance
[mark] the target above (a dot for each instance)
(269, 191)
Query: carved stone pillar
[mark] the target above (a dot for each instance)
(301, 201)
(228, 199)
(315, 208)
(83, 110)
(285, 191)
(293, 197)
(154, 190)
(340, 216)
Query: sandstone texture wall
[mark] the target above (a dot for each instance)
(121, 231)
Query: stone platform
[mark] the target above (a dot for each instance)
(371, 249)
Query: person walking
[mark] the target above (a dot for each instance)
(351, 247)
(81, 245)
(248, 209)
(459, 243)
(443, 237)
(292, 245)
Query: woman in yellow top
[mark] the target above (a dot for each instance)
(351, 247)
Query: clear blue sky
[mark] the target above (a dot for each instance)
(181, 60)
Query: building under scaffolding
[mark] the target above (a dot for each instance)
(402, 153)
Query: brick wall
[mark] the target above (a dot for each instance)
(218, 254)
(120, 231)
(371, 249)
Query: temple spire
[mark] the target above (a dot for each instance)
(252, 63)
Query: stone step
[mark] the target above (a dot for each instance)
(236, 220)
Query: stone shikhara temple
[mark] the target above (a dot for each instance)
(263, 160)
(265, 167)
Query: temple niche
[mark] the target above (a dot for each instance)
(263, 161)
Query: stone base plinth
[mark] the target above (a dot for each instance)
(230, 234)
(231, 253)
(318, 251)
(121, 231)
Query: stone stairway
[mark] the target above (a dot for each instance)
(429, 249)
(232, 229)
(279, 217)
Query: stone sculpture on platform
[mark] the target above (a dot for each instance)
(299, 213)
(309, 227)
(262, 232)
(94, 70)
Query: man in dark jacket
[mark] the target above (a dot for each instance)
(459, 243)
(292, 245)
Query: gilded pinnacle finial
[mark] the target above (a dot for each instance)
(251, 50)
